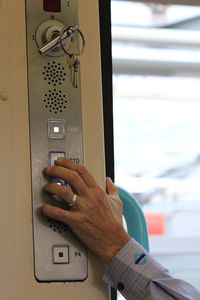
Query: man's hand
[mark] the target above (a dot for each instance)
(96, 217)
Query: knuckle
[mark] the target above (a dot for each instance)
(60, 213)
(82, 220)
(62, 191)
(81, 169)
(119, 203)
(100, 192)
(73, 175)
(50, 187)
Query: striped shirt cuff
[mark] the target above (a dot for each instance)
(131, 270)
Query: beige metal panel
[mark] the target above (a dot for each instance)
(91, 91)
(17, 280)
(7, 201)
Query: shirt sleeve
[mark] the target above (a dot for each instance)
(138, 276)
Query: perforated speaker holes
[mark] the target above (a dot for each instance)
(54, 73)
(57, 226)
(55, 101)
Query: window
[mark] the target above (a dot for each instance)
(156, 63)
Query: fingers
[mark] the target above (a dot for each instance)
(69, 176)
(111, 188)
(80, 169)
(58, 214)
(61, 191)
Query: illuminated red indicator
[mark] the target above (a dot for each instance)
(155, 222)
(52, 5)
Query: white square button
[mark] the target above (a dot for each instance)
(56, 129)
(61, 254)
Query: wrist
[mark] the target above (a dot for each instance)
(115, 245)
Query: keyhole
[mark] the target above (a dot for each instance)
(55, 34)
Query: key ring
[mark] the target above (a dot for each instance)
(70, 30)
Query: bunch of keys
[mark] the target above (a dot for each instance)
(74, 59)
(74, 66)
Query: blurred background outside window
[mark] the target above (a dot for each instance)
(156, 85)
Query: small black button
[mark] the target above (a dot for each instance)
(120, 286)
(60, 254)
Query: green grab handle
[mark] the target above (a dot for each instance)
(135, 219)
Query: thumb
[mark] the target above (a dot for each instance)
(110, 187)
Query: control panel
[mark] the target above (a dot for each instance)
(54, 45)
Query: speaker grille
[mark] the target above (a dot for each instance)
(54, 73)
(57, 226)
(55, 101)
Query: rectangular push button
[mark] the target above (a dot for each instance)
(53, 155)
(61, 254)
(56, 129)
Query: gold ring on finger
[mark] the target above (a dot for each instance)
(73, 201)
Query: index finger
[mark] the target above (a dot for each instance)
(80, 169)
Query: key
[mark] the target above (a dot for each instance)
(74, 65)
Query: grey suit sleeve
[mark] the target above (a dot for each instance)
(138, 276)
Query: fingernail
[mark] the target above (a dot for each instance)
(47, 169)
(59, 159)
(109, 179)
